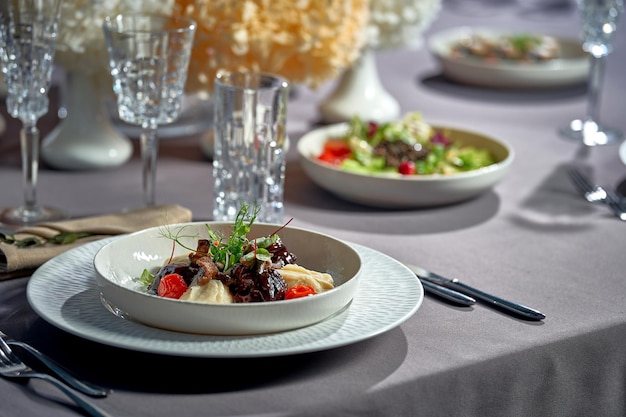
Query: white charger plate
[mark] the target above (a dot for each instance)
(64, 292)
(571, 67)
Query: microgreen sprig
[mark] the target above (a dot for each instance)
(227, 253)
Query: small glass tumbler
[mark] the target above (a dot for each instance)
(249, 145)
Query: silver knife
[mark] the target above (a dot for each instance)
(444, 292)
(455, 284)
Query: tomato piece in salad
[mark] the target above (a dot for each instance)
(299, 291)
(172, 286)
(335, 151)
(407, 168)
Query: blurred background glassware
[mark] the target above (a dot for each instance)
(599, 24)
(28, 32)
(148, 58)
(249, 144)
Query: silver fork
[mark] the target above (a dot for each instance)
(596, 194)
(12, 367)
(84, 387)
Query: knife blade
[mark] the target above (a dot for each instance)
(444, 292)
(448, 294)
(490, 299)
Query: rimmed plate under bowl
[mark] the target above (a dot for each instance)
(409, 191)
(119, 264)
(63, 292)
(571, 67)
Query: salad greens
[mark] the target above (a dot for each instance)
(409, 146)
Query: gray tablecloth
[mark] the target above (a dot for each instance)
(532, 239)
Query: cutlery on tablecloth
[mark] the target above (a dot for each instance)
(444, 292)
(597, 194)
(84, 387)
(492, 300)
(12, 367)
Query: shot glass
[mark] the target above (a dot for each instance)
(249, 145)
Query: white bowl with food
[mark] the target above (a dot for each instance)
(498, 58)
(394, 190)
(119, 266)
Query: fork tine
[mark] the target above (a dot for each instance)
(580, 182)
(4, 360)
(7, 353)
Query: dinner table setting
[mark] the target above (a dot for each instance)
(495, 287)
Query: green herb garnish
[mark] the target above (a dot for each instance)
(146, 278)
(227, 251)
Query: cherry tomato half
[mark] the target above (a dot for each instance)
(335, 151)
(172, 286)
(407, 168)
(299, 291)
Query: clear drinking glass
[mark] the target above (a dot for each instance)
(250, 143)
(148, 58)
(28, 32)
(599, 24)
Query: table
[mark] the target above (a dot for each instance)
(531, 239)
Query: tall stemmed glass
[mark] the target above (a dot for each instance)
(599, 23)
(28, 32)
(148, 57)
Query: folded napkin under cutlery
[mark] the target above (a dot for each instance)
(17, 260)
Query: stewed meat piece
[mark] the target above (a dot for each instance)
(202, 259)
(251, 286)
(281, 255)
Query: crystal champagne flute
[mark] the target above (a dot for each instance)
(599, 24)
(148, 58)
(28, 32)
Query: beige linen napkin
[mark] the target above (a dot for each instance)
(21, 261)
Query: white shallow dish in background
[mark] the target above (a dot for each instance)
(63, 292)
(570, 68)
(119, 264)
(408, 191)
(622, 152)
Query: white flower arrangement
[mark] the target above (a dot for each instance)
(305, 41)
(400, 23)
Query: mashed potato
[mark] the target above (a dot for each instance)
(297, 275)
(213, 291)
